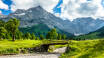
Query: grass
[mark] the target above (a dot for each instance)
(77, 49)
(10, 47)
(22, 46)
(54, 41)
(85, 49)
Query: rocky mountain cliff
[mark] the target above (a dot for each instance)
(37, 15)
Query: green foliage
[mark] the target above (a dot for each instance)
(3, 32)
(12, 26)
(36, 29)
(52, 34)
(37, 38)
(33, 37)
(43, 29)
(2, 23)
(10, 30)
(27, 35)
(64, 36)
(19, 35)
(42, 37)
(8, 36)
(59, 37)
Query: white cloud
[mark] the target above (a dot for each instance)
(3, 6)
(26, 4)
(0, 12)
(23, 4)
(73, 9)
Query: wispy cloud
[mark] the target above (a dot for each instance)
(71, 9)
(3, 6)
(26, 4)
(82, 8)
(0, 12)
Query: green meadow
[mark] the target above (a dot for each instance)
(76, 49)
(10, 47)
(22, 46)
(85, 49)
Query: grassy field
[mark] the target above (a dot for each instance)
(77, 49)
(10, 47)
(15, 47)
(85, 49)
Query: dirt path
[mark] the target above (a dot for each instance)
(43, 55)
(60, 50)
(33, 56)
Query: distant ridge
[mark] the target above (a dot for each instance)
(37, 15)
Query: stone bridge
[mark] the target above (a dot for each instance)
(45, 47)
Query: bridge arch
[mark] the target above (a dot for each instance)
(45, 47)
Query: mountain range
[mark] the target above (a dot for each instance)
(98, 34)
(37, 16)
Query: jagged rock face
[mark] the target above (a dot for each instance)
(38, 15)
(34, 16)
(85, 25)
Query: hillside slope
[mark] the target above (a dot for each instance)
(85, 49)
(93, 35)
(43, 29)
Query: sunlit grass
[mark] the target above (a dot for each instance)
(85, 49)
(10, 47)
(15, 47)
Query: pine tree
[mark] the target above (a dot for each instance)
(48, 35)
(59, 37)
(28, 35)
(33, 36)
(19, 35)
(41, 37)
(64, 36)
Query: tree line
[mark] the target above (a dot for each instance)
(10, 30)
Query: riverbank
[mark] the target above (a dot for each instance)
(56, 54)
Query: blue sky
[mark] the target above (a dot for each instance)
(56, 9)
(66, 8)
(7, 2)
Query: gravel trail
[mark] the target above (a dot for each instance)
(56, 54)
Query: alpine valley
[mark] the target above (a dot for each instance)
(37, 19)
